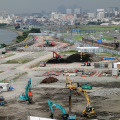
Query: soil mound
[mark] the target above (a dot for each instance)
(86, 57)
(49, 80)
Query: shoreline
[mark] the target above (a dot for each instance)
(16, 31)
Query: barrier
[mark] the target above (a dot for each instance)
(100, 74)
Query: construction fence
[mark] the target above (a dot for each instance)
(100, 50)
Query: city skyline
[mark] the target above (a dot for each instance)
(36, 6)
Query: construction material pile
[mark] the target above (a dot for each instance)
(49, 80)
(87, 57)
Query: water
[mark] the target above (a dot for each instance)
(7, 36)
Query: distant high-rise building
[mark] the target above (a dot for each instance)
(68, 11)
(77, 11)
(91, 15)
(112, 11)
(100, 14)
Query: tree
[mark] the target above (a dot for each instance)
(35, 30)
(3, 45)
(17, 27)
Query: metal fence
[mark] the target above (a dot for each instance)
(100, 50)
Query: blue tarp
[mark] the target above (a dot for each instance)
(110, 58)
(99, 40)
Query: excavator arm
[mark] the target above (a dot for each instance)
(65, 115)
(50, 104)
(56, 105)
(55, 55)
(87, 98)
(89, 109)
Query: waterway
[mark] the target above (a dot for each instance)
(7, 36)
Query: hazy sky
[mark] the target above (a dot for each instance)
(31, 6)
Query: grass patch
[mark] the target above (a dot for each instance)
(20, 75)
(98, 27)
(67, 42)
(17, 77)
(108, 38)
(17, 61)
(4, 81)
(108, 55)
(1, 71)
(67, 34)
(69, 52)
(79, 37)
(9, 55)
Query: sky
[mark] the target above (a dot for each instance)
(36, 6)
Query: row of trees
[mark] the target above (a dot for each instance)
(25, 34)
(3, 24)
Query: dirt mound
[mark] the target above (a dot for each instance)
(49, 80)
(61, 60)
(86, 57)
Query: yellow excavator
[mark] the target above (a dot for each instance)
(89, 109)
(69, 84)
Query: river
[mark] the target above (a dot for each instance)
(7, 36)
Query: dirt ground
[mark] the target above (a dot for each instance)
(105, 98)
(106, 106)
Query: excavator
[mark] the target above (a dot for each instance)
(27, 96)
(89, 109)
(65, 116)
(50, 43)
(55, 55)
(69, 83)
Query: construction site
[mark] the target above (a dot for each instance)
(52, 79)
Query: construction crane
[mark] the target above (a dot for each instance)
(65, 116)
(69, 83)
(89, 109)
(27, 96)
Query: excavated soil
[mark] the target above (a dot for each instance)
(86, 57)
(49, 80)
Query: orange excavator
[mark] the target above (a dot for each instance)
(50, 43)
(55, 55)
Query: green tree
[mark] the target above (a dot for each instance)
(3, 45)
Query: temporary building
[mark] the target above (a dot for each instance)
(4, 87)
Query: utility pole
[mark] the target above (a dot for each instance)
(69, 101)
